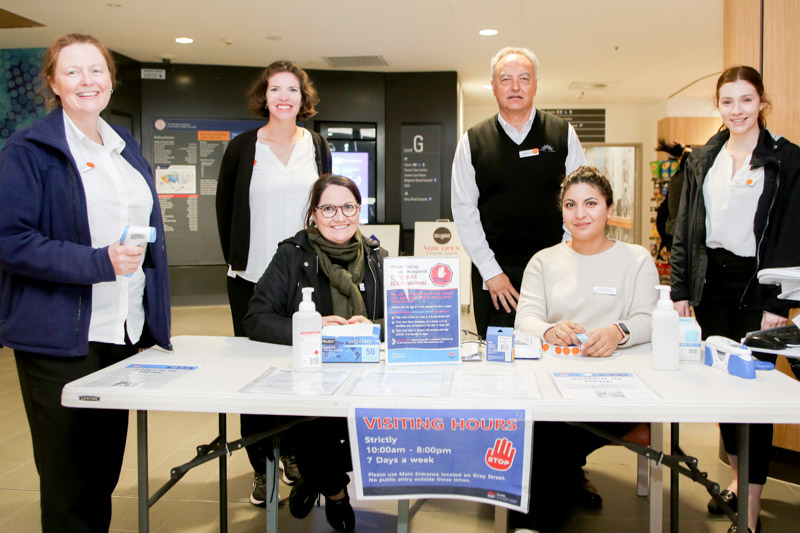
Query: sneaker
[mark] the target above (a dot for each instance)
(302, 499)
(340, 514)
(288, 466)
(259, 495)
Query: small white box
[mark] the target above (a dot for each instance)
(689, 338)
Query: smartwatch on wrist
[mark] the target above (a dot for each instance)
(626, 333)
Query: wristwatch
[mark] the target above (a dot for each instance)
(626, 333)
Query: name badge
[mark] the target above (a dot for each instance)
(605, 290)
(528, 153)
(86, 167)
(362, 287)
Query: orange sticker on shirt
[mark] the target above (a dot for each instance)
(254, 162)
(749, 182)
(90, 164)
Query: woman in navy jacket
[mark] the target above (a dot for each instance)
(70, 304)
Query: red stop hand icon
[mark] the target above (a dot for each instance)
(501, 457)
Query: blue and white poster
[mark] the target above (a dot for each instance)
(423, 314)
(472, 454)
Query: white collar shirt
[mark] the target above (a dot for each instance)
(731, 200)
(278, 197)
(116, 195)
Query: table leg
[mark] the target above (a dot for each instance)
(743, 449)
(273, 495)
(402, 516)
(674, 479)
(144, 489)
(223, 476)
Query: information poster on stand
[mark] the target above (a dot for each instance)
(422, 310)
(187, 154)
(421, 173)
(473, 454)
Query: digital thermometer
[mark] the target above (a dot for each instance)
(730, 356)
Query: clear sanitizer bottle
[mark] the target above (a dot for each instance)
(307, 336)
(665, 339)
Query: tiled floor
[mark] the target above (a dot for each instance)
(192, 506)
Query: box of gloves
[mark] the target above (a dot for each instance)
(351, 343)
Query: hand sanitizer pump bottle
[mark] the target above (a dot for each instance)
(307, 336)
(665, 338)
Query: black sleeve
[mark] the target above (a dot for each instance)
(226, 185)
(784, 250)
(679, 276)
(322, 153)
(269, 316)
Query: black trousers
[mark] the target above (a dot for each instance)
(719, 313)
(559, 454)
(483, 309)
(323, 453)
(78, 452)
(239, 293)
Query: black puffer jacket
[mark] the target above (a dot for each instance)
(278, 293)
(776, 224)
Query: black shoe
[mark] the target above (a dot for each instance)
(302, 499)
(340, 514)
(288, 466)
(587, 495)
(735, 529)
(259, 493)
(727, 497)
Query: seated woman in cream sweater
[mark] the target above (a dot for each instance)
(592, 285)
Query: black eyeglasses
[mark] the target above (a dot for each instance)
(329, 210)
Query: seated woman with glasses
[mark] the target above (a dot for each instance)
(589, 285)
(346, 271)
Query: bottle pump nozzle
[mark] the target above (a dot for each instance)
(664, 301)
(307, 304)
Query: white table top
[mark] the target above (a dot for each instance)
(694, 393)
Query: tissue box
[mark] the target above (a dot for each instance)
(527, 346)
(353, 343)
(500, 344)
(689, 337)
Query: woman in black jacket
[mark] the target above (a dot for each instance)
(346, 271)
(738, 215)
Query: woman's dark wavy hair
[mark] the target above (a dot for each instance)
(592, 176)
(751, 76)
(325, 181)
(257, 92)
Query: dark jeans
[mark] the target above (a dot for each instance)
(719, 313)
(78, 452)
(559, 454)
(239, 293)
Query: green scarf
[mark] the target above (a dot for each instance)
(345, 295)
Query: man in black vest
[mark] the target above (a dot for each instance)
(506, 177)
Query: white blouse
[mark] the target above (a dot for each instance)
(731, 204)
(116, 195)
(278, 197)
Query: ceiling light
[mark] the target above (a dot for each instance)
(488, 33)
(184, 40)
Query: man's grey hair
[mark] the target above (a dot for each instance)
(508, 50)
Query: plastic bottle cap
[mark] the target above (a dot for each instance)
(307, 304)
